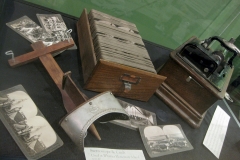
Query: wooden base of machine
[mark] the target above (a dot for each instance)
(179, 105)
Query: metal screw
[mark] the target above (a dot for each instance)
(90, 103)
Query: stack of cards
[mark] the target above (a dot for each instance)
(118, 41)
(53, 29)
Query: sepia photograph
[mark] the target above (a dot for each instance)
(36, 134)
(164, 140)
(32, 31)
(52, 22)
(54, 25)
(28, 127)
(137, 117)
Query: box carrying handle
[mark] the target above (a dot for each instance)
(128, 80)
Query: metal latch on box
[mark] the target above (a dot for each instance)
(128, 80)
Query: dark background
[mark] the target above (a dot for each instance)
(47, 97)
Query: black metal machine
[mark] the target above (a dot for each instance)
(211, 65)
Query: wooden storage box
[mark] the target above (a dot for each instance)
(102, 75)
(185, 91)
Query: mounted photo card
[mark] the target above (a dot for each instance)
(164, 139)
(26, 124)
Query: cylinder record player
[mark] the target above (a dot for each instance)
(197, 76)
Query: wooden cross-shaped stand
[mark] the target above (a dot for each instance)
(71, 95)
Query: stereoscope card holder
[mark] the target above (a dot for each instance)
(81, 111)
(114, 57)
